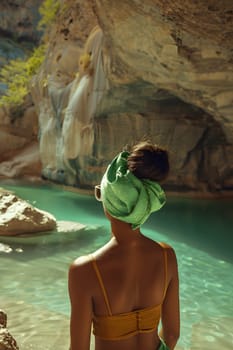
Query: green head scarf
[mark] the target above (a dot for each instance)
(128, 198)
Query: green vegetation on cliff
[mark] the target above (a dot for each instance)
(48, 11)
(17, 74)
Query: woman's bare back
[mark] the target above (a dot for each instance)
(133, 275)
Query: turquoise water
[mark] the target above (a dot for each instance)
(33, 276)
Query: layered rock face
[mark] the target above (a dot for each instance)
(183, 48)
(120, 71)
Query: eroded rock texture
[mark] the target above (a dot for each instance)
(120, 71)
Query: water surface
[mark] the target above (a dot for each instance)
(33, 273)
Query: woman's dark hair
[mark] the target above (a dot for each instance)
(148, 161)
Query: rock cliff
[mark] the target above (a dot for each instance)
(18, 28)
(19, 151)
(119, 71)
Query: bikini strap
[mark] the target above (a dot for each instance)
(164, 246)
(101, 283)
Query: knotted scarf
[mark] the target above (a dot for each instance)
(128, 198)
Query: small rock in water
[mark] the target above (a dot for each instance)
(7, 341)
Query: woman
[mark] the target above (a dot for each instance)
(126, 287)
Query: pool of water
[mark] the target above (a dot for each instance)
(33, 274)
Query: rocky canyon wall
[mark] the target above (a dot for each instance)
(19, 151)
(18, 29)
(120, 71)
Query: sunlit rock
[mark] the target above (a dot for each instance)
(19, 217)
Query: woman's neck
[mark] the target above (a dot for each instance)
(123, 232)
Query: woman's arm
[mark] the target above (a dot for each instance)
(81, 305)
(170, 309)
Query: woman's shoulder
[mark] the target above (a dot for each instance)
(82, 260)
(79, 269)
(171, 258)
(81, 264)
(167, 247)
(157, 244)
(169, 254)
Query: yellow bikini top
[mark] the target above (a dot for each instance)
(124, 325)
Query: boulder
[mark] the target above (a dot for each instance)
(17, 216)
